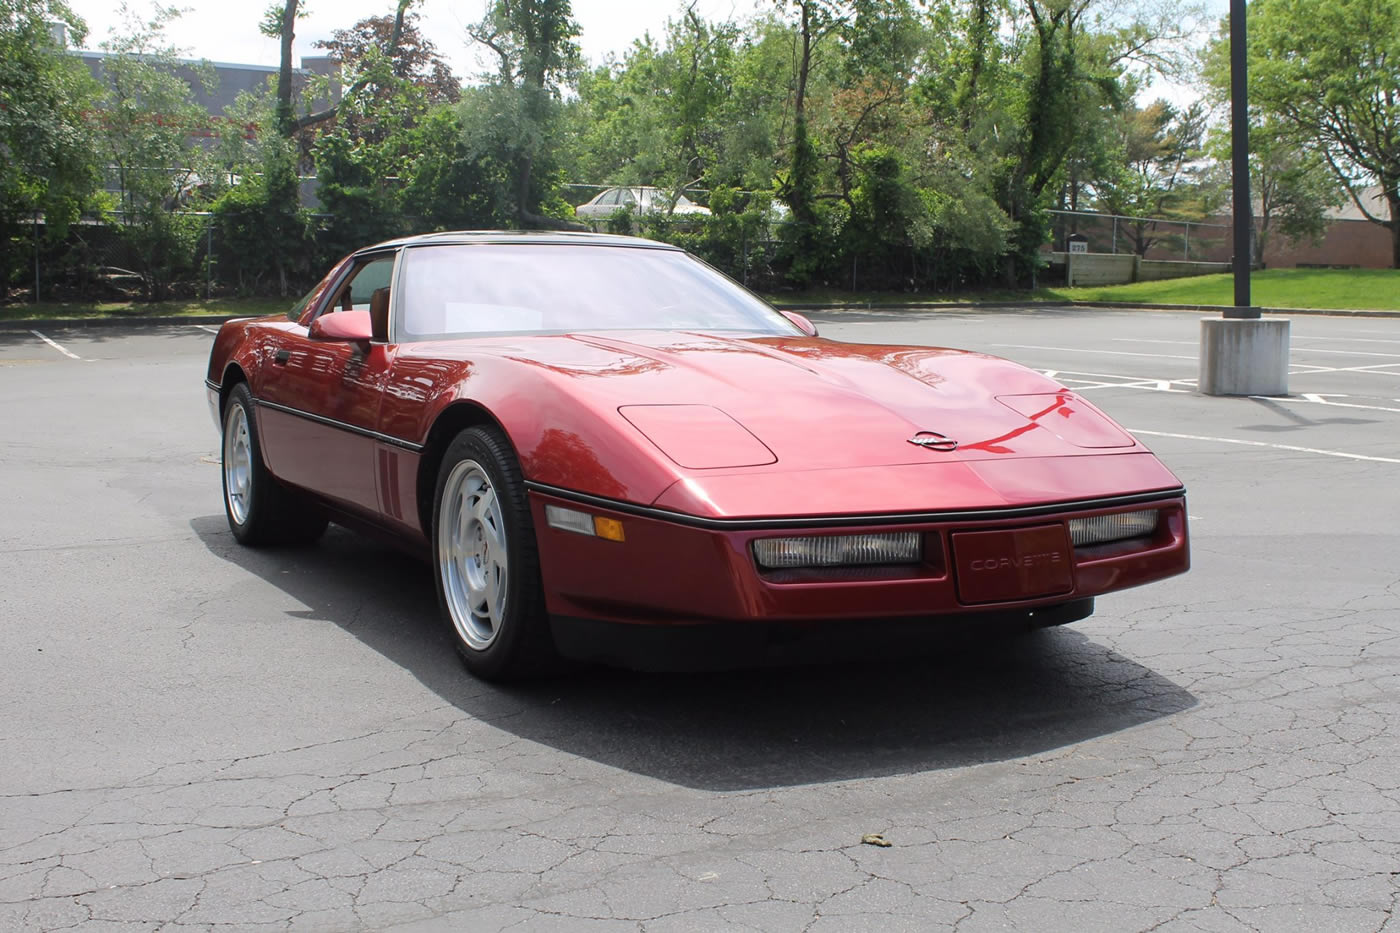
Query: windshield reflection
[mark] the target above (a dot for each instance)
(465, 290)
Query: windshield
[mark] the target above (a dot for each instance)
(538, 288)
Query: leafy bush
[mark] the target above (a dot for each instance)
(263, 234)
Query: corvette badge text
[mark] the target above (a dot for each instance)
(1025, 562)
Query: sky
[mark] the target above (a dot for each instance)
(227, 30)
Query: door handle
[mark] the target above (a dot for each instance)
(282, 356)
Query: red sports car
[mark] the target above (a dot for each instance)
(589, 433)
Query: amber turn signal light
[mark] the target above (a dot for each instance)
(609, 528)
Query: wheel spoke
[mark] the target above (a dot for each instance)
(494, 538)
(491, 594)
(479, 601)
(459, 505)
(485, 507)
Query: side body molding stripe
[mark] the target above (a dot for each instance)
(331, 422)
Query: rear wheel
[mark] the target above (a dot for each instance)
(260, 511)
(486, 559)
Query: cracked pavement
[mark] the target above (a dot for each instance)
(196, 736)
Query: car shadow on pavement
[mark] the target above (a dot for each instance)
(954, 703)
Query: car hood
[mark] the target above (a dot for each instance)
(733, 426)
(819, 404)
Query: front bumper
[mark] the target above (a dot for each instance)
(673, 572)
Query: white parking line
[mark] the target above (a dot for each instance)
(212, 330)
(65, 351)
(1295, 349)
(1244, 443)
(1031, 346)
(1085, 381)
(1322, 399)
(1348, 339)
(1375, 369)
(1344, 352)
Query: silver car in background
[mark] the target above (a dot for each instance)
(638, 200)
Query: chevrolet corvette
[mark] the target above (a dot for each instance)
(585, 433)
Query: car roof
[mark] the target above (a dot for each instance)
(514, 237)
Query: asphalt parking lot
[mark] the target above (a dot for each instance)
(194, 736)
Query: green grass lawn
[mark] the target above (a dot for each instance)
(120, 309)
(1329, 289)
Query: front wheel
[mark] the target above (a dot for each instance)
(487, 562)
(258, 508)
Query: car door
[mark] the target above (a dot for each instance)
(319, 404)
(600, 207)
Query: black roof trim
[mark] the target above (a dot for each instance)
(547, 237)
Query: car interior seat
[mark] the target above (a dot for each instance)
(379, 315)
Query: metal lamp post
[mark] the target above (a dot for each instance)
(1242, 354)
(1239, 149)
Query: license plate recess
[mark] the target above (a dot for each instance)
(1007, 565)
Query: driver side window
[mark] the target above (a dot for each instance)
(367, 290)
(358, 293)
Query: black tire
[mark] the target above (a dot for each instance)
(497, 640)
(263, 511)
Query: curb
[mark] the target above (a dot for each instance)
(915, 306)
(1083, 305)
(1219, 309)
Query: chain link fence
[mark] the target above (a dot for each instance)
(1148, 237)
(109, 260)
(189, 257)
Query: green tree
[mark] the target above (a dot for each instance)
(146, 135)
(263, 230)
(279, 22)
(1155, 170)
(393, 53)
(814, 22)
(1032, 75)
(1292, 185)
(516, 117)
(46, 162)
(449, 186)
(1327, 71)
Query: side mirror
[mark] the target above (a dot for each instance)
(806, 326)
(343, 326)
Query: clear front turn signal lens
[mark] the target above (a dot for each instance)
(1101, 529)
(569, 519)
(902, 547)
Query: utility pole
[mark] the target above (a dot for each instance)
(1241, 353)
(1239, 146)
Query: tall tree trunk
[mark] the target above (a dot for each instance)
(981, 37)
(284, 72)
(800, 179)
